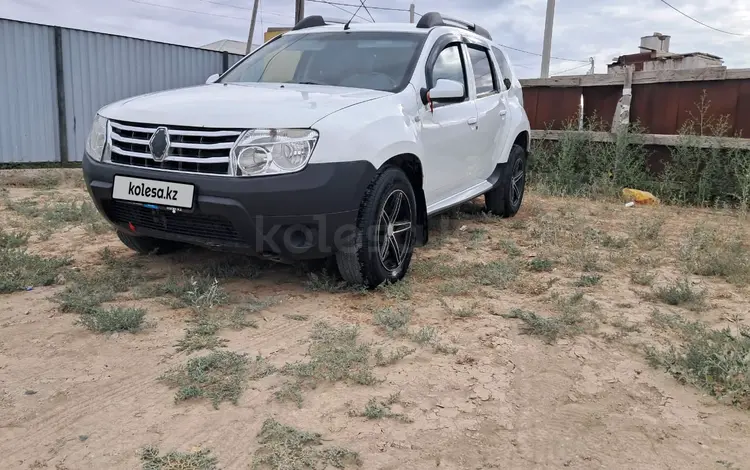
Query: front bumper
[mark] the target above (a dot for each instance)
(303, 215)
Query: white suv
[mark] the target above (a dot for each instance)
(330, 140)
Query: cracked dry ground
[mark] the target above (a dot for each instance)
(480, 387)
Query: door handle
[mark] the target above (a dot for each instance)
(472, 121)
(503, 112)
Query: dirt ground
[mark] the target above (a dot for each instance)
(491, 388)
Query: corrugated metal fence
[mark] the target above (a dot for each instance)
(53, 80)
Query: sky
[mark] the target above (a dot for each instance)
(603, 29)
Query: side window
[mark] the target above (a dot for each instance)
(484, 73)
(504, 67)
(449, 65)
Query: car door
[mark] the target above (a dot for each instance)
(492, 111)
(449, 128)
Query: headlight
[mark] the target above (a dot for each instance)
(273, 151)
(97, 138)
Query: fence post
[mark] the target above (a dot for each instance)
(621, 120)
(62, 125)
(224, 61)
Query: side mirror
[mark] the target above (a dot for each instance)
(212, 79)
(507, 83)
(446, 89)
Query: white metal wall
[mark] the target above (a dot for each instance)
(97, 69)
(28, 95)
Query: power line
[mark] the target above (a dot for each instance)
(362, 2)
(539, 55)
(335, 5)
(698, 21)
(357, 6)
(194, 11)
(571, 69)
(228, 5)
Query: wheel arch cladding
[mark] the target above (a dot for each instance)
(522, 139)
(412, 166)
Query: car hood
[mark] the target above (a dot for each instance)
(239, 106)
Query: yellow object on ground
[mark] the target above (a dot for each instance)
(639, 197)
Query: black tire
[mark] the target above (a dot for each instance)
(392, 232)
(148, 245)
(506, 197)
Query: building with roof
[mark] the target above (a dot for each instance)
(654, 54)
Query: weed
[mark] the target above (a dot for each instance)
(200, 336)
(443, 348)
(455, 287)
(379, 409)
(297, 317)
(400, 290)
(714, 360)
(334, 356)
(609, 241)
(588, 280)
(705, 252)
(649, 230)
(393, 321)
(642, 278)
(541, 265)
(284, 447)
(478, 235)
(465, 360)
(198, 293)
(462, 312)
(495, 273)
(440, 266)
(88, 291)
(681, 293)
(426, 334)
(13, 240)
(325, 282)
(107, 320)
(199, 460)
(550, 328)
(21, 269)
(290, 391)
(219, 376)
(509, 247)
(381, 359)
(228, 267)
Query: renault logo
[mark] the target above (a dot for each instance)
(159, 144)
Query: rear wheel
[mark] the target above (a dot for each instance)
(383, 242)
(148, 245)
(505, 199)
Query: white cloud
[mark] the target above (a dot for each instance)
(602, 29)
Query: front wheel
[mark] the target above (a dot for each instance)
(382, 245)
(505, 199)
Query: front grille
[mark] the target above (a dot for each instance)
(181, 223)
(192, 149)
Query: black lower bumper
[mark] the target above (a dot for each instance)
(304, 215)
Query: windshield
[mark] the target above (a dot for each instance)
(362, 59)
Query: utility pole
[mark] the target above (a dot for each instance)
(591, 61)
(547, 47)
(411, 13)
(299, 10)
(249, 46)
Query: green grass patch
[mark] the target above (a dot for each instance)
(199, 460)
(283, 447)
(13, 240)
(381, 408)
(393, 321)
(219, 376)
(20, 269)
(383, 359)
(466, 311)
(566, 324)
(681, 293)
(541, 265)
(588, 280)
(113, 319)
(707, 252)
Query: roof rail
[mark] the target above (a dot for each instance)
(433, 18)
(314, 21)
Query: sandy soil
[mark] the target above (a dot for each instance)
(74, 399)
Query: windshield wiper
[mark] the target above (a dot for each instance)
(309, 82)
